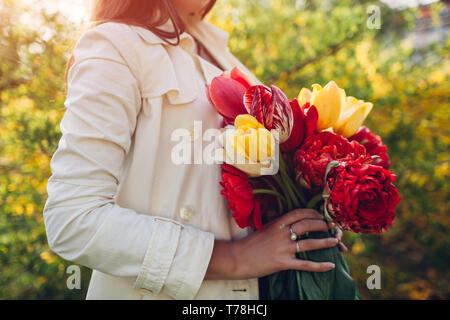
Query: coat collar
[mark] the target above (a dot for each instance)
(195, 26)
(214, 39)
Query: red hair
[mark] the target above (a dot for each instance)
(149, 14)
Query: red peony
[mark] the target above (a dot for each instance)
(311, 160)
(239, 193)
(362, 197)
(374, 146)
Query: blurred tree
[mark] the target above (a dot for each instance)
(290, 43)
(31, 106)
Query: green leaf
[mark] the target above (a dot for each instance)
(302, 285)
(283, 286)
(324, 280)
(345, 286)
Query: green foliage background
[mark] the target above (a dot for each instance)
(291, 44)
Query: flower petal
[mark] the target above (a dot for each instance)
(329, 102)
(304, 96)
(226, 96)
(282, 117)
(241, 77)
(312, 116)
(258, 102)
(245, 121)
(298, 129)
(353, 120)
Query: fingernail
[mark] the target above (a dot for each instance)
(333, 240)
(330, 265)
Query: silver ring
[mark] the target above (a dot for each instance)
(293, 234)
(297, 246)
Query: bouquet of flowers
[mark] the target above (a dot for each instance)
(309, 152)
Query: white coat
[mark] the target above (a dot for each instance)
(116, 201)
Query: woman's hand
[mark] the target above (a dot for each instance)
(265, 252)
(338, 235)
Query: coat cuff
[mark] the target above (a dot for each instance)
(159, 256)
(176, 260)
(190, 264)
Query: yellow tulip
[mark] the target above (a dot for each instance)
(352, 117)
(252, 139)
(249, 147)
(328, 100)
(344, 115)
(304, 96)
(247, 122)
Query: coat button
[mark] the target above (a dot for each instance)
(187, 213)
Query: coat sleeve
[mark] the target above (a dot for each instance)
(83, 222)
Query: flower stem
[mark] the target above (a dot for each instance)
(290, 191)
(314, 201)
(280, 204)
(268, 191)
(285, 192)
(296, 190)
(298, 195)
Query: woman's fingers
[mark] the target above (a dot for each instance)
(313, 244)
(309, 225)
(306, 265)
(338, 233)
(299, 214)
(343, 247)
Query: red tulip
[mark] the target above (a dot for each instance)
(305, 123)
(298, 130)
(226, 93)
(312, 118)
(238, 75)
(271, 107)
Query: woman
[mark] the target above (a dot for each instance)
(117, 203)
